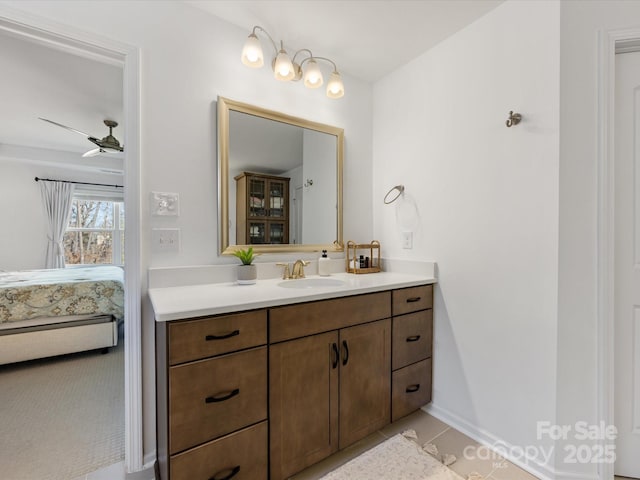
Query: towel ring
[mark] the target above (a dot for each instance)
(400, 189)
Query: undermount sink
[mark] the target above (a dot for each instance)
(311, 283)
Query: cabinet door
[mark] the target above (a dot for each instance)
(257, 197)
(278, 198)
(303, 405)
(257, 232)
(277, 232)
(365, 380)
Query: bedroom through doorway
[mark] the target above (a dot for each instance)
(62, 368)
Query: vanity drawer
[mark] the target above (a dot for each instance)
(206, 337)
(411, 389)
(244, 451)
(412, 338)
(300, 320)
(210, 398)
(412, 299)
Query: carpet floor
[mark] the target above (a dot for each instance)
(63, 417)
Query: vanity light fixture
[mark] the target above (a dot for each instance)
(286, 69)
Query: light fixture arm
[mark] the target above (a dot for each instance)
(258, 27)
(286, 69)
(302, 50)
(335, 67)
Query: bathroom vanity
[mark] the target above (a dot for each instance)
(267, 388)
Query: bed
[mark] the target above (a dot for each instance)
(53, 312)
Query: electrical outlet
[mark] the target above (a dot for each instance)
(407, 240)
(165, 240)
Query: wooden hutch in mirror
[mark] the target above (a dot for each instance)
(262, 209)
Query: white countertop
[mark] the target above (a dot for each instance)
(173, 303)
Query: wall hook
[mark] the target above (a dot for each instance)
(514, 119)
(308, 183)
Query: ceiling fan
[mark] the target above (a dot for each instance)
(108, 144)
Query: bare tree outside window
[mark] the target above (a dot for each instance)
(95, 234)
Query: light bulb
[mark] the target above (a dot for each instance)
(335, 88)
(282, 67)
(252, 52)
(312, 75)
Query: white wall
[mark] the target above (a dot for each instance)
(188, 58)
(481, 200)
(319, 216)
(577, 331)
(24, 240)
(295, 199)
(23, 244)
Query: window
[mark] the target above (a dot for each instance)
(95, 234)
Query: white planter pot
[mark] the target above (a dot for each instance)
(247, 274)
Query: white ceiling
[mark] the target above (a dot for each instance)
(39, 81)
(366, 38)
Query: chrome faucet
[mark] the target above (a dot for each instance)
(296, 272)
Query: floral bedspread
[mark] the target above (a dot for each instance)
(58, 292)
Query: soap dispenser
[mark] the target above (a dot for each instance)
(323, 264)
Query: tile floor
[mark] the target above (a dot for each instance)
(428, 429)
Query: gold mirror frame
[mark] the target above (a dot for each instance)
(224, 106)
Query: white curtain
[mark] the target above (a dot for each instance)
(56, 198)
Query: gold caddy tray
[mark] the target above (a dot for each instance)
(354, 250)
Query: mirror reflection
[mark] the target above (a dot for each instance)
(283, 180)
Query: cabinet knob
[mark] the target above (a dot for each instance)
(413, 388)
(336, 356)
(413, 338)
(345, 354)
(223, 336)
(413, 299)
(221, 397)
(229, 473)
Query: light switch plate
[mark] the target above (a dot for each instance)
(165, 240)
(165, 203)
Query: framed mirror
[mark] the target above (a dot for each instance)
(279, 181)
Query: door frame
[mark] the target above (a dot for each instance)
(68, 39)
(610, 42)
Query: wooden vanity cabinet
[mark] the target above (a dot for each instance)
(303, 413)
(266, 393)
(412, 349)
(327, 390)
(212, 397)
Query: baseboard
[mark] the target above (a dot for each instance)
(148, 471)
(560, 475)
(542, 471)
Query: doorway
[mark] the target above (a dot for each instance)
(627, 264)
(41, 31)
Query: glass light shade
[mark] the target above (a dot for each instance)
(335, 88)
(312, 75)
(283, 68)
(252, 52)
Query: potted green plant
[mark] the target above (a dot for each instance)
(247, 272)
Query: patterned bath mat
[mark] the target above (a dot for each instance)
(397, 458)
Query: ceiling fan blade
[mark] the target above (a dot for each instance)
(64, 126)
(92, 153)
